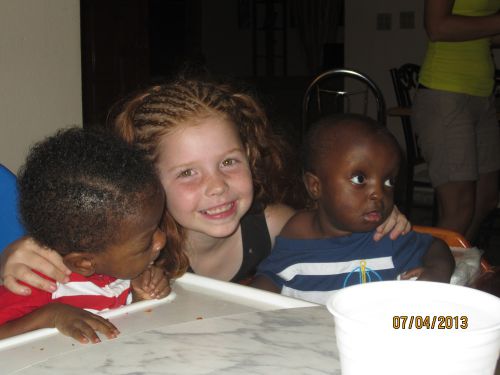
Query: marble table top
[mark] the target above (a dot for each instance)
(289, 341)
(205, 327)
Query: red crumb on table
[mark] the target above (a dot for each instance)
(199, 317)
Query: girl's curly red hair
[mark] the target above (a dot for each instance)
(146, 116)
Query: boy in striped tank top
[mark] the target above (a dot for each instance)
(350, 168)
(97, 202)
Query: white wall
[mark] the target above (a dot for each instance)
(375, 52)
(40, 74)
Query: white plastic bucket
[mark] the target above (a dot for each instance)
(416, 327)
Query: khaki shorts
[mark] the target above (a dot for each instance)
(458, 134)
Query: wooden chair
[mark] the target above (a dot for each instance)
(405, 82)
(452, 239)
(342, 91)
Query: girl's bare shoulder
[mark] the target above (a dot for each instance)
(277, 215)
(299, 225)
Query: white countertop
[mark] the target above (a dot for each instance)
(204, 327)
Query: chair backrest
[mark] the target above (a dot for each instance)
(342, 91)
(451, 238)
(405, 82)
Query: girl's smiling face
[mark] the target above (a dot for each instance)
(206, 176)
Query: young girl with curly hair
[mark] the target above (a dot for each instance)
(226, 175)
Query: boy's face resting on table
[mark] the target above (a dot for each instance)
(354, 184)
(137, 244)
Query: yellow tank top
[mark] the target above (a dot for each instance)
(463, 67)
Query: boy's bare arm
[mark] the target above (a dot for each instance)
(264, 283)
(438, 262)
(69, 320)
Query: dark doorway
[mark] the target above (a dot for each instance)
(127, 44)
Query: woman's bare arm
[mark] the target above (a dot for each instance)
(443, 26)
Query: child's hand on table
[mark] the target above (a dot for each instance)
(151, 284)
(412, 274)
(426, 274)
(434, 274)
(79, 324)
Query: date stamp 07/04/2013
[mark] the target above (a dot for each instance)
(429, 322)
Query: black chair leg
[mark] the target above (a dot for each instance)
(409, 186)
(435, 210)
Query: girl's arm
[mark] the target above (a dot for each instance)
(17, 260)
(396, 224)
(443, 26)
(69, 320)
(277, 215)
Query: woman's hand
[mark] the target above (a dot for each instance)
(396, 224)
(25, 254)
(151, 284)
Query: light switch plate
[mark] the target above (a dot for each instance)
(384, 21)
(407, 20)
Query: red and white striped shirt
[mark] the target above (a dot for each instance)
(94, 293)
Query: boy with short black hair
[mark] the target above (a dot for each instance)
(98, 202)
(350, 168)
